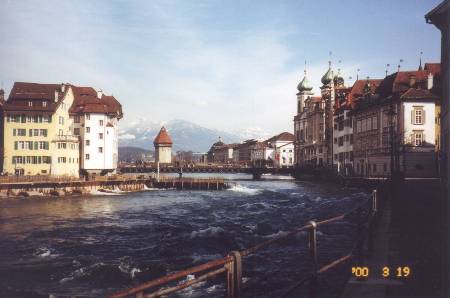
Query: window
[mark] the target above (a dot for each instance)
(418, 115)
(76, 131)
(100, 136)
(88, 116)
(100, 122)
(76, 119)
(88, 142)
(418, 138)
(375, 123)
(62, 145)
(61, 160)
(61, 120)
(88, 129)
(44, 103)
(87, 157)
(30, 103)
(100, 149)
(61, 132)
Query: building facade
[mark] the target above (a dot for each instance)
(95, 121)
(37, 135)
(47, 128)
(439, 17)
(394, 125)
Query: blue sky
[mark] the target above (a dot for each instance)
(230, 65)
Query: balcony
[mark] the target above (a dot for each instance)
(66, 138)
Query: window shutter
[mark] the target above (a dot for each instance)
(413, 117)
(423, 138)
(16, 146)
(423, 116)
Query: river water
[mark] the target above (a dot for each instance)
(92, 246)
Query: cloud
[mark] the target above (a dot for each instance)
(127, 136)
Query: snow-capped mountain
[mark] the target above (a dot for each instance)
(185, 135)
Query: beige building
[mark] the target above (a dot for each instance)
(37, 136)
(163, 147)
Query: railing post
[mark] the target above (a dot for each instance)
(313, 252)
(234, 275)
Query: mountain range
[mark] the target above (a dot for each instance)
(186, 135)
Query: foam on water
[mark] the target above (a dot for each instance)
(208, 232)
(243, 189)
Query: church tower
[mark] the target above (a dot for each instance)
(304, 91)
(328, 96)
(163, 147)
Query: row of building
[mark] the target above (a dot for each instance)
(277, 151)
(373, 126)
(58, 129)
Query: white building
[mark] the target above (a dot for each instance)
(96, 119)
(280, 149)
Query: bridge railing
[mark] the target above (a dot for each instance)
(231, 265)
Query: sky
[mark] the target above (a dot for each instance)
(228, 65)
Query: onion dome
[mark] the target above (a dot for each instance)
(163, 138)
(304, 85)
(328, 76)
(338, 78)
(219, 143)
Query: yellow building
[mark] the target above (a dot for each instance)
(37, 135)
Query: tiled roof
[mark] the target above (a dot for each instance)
(418, 93)
(284, 137)
(434, 68)
(163, 138)
(87, 101)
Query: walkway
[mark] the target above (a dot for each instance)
(410, 234)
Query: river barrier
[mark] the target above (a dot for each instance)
(27, 187)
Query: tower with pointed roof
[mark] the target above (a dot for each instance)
(163, 147)
(304, 91)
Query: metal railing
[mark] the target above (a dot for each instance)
(231, 265)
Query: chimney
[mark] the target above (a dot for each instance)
(412, 80)
(430, 81)
(99, 94)
(2, 95)
(63, 87)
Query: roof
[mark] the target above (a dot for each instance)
(283, 137)
(418, 93)
(163, 138)
(434, 68)
(440, 10)
(86, 101)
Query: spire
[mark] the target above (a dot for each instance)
(399, 64)
(387, 69)
(357, 74)
(420, 61)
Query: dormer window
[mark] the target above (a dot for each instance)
(30, 103)
(44, 103)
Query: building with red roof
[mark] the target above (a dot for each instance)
(60, 129)
(163, 147)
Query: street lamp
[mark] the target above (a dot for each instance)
(391, 113)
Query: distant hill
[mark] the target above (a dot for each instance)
(186, 135)
(130, 154)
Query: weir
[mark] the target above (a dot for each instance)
(25, 186)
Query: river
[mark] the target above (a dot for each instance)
(92, 246)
